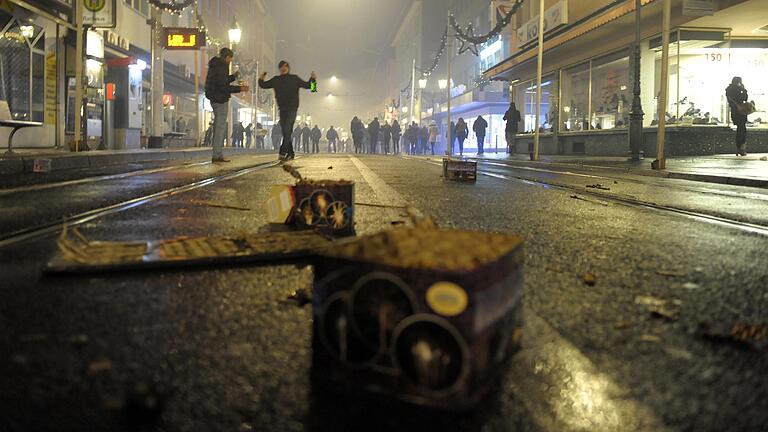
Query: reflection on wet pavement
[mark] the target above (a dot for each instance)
(563, 390)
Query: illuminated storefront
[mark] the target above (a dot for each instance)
(587, 85)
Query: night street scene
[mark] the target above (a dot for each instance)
(383, 215)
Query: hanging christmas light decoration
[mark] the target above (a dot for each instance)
(470, 41)
(175, 6)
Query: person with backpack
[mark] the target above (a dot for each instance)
(219, 89)
(512, 117)
(480, 127)
(737, 97)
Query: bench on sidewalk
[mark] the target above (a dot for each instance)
(15, 125)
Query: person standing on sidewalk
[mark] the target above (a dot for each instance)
(316, 136)
(286, 87)
(480, 127)
(306, 137)
(737, 96)
(386, 131)
(512, 117)
(396, 135)
(433, 133)
(333, 137)
(218, 90)
(462, 132)
(373, 131)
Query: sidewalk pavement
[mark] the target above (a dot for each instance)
(23, 160)
(751, 170)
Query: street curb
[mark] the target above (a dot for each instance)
(61, 162)
(704, 178)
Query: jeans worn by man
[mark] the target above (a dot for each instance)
(220, 112)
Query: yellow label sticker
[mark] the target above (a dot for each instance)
(447, 299)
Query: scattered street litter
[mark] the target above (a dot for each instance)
(78, 254)
(410, 318)
(598, 186)
(459, 170)
(589, 278)
(301, 296)
(670, 273)
(330, 167)
(742, 335)
(764, 158)
(222, 206)
(650, 338)
(660, 308)
(691, 286)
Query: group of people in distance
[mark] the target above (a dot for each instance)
(373, 139)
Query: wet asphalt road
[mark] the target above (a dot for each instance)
(224, 349)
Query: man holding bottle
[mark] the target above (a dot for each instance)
(286, 87)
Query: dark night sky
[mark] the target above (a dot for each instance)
(346, 38)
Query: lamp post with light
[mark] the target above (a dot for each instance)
(422, 86)
(235, 34)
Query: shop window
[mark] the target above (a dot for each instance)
(611, 98)
(575, 98)
(525, 99)
(15, 71)
(38, 86)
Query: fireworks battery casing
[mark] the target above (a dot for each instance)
(325, 206)
(424, 332)
(460, 170)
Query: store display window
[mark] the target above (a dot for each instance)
(574, 101)
(611, 98)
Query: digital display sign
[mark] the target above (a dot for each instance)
(183, 39)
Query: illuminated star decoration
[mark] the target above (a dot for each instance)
(466, 45)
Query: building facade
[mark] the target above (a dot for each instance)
(588, 80)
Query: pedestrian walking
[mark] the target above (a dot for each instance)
(373, 133)
(316, 135)
(413, 138)
(332, 136)
(297, 137)
(433, 133)
(306, 137)
(277, 136)
(396, 135)
(450, 135)
(218, 90)
(737, 100)
(248, 131)
(237, 134)
(424, 138)
(260, 135)
(462, 132)
(512, 117)
(357, 129)
(286, 87)
(480, 127)
(386, 131)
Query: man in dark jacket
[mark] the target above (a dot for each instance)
(286, 88)
(332, 136)
(373, 132)
(413, 132)
(357, 129)
(296, 137)
(248, 135)
(277, 136)
(218, 90)
(386, 137)
(316, 135)
(736, 94)
(237, 134)
(396, 134)
(512, 117)
(306, 137)
(480, 127)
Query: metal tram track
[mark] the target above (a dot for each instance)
(623, 200)
(46, 229)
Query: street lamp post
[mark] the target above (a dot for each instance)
(413, 90)
(660, 162)
(539, 60)
(235, 34)
(636, 116)
(422, 86)
(449, 49)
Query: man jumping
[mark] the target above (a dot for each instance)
(286, 87)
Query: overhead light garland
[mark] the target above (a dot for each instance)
(470, 41)
(174, 7)
(443, 43)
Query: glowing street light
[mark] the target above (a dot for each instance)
(334, 79)
(443, 83)
(405, 110)
(235, 33)
(423, 83)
